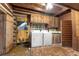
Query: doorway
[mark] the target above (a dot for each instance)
(67, 33)
(23, 30)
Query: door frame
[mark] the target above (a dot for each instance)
(3, 33)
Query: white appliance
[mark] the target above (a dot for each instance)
(40, 38)
(47, 38)
(36, 38)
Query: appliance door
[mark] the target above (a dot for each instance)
(57, 38)
(36, 39)
(48, 38)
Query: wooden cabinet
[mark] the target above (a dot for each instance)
(47, 19)
(39, 18)
(44, 19)
(35, 18)
(56, 22)
(53, 22)
(32, 17)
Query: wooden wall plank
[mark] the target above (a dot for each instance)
(9, 32)
(75, 29)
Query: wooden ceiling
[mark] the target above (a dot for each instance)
(57, 9)
(71, 5)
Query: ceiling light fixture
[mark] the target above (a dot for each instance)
(49, 6)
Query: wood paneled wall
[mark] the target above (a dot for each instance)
(9, 32)
(6, 28)
(75, 29)
(6, 33)
(66, 27)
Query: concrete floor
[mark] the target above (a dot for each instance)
(43, 51)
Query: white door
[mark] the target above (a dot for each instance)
(36, 40)
(47, 38)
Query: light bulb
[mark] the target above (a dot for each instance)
(49, 6)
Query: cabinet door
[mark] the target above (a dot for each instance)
(39, 18)
(2, 42)
(51, 21)
(52, 18)
(47, 39)
(47, 19)
(56, 22)
(36, 18)
(44, 19)
(33, 18)
(36, 40)
(57, 39)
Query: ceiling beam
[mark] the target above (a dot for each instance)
(65, 12)
(33, 10)
(71, 7)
